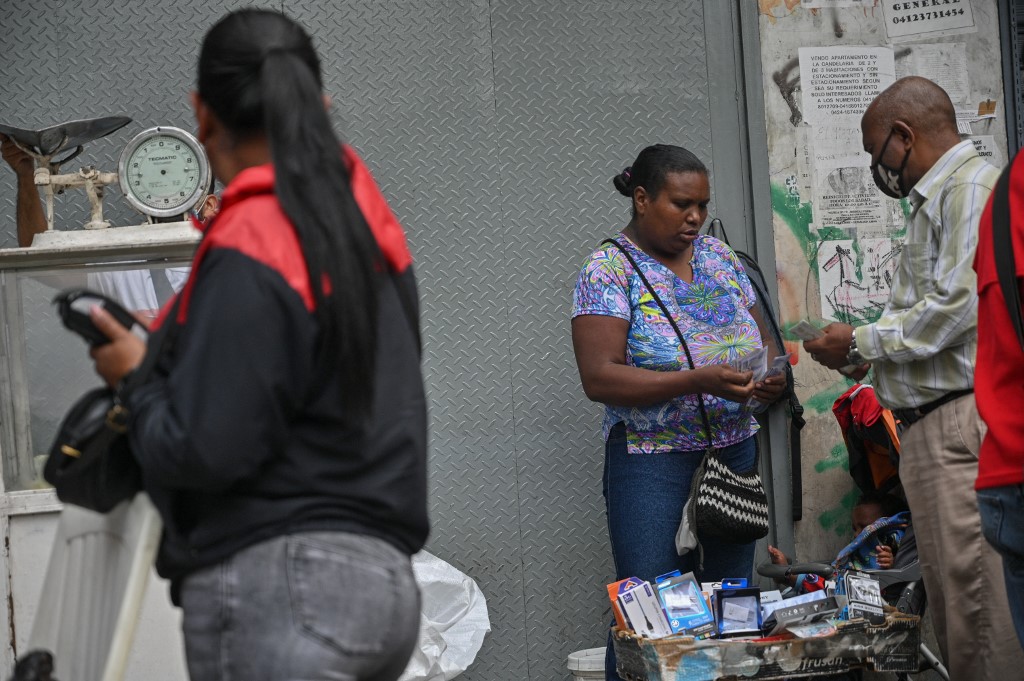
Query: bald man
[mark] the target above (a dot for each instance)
(922, 350)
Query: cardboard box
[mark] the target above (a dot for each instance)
(864, 596)
(801, 613)
(769, 607)
(616, 588)
(684, 605)
(738, 612)
(891, 647)
(642, 608)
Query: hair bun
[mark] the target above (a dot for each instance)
(623, 183)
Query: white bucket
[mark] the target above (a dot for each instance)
(587, 664)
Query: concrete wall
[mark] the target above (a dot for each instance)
(800, 222)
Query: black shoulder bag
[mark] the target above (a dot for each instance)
(722, 503)
(90, 462)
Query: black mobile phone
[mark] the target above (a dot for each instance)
(73, 306)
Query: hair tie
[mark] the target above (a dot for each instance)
(627, 173)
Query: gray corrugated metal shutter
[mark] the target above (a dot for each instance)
(494, 129)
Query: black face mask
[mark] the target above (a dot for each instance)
(889, 181)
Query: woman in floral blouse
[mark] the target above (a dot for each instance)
(630, 359)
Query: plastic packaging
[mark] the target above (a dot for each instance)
(453, 621)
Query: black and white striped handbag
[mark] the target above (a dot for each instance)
(731, 506)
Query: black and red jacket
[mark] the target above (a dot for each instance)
(238, 436)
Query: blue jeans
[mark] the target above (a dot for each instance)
(1002, 523)
(644, 497)
(313, 605)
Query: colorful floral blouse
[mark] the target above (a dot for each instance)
(714, 317)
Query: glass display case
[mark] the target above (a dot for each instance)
(44, 367)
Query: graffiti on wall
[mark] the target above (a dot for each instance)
(835, 250)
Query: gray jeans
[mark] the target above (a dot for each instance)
(316, 605)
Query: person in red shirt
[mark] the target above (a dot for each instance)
(999, 388)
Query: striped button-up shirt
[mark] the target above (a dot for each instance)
(923, 345)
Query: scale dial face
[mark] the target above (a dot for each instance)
(164, 172)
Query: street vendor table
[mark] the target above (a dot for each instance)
(891, 646)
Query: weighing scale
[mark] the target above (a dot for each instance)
(163, 172)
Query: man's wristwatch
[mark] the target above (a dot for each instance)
(853, 355)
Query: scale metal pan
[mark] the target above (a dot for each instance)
(57, 138)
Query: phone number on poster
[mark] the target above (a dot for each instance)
(925, 16)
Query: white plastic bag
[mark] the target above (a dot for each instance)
(453, 621)
(686, 535)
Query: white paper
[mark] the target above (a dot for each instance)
(838, 83)
(776, 367)
(847, 196)
(819, 4)
(852, 291)
(768, 608)
(988, 150)
(805, 162)
(838, 147)
(941, 63)
(915, 19)
(967, 115)
(806, 331)
(755, 361)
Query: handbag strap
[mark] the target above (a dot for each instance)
(796, 410)
(675, 327)
(1002, 242)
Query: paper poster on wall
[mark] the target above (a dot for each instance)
(846, 197)
(839, 147)
(805, 163)
(838, 83)
(942, 63)
(987, 149)
(968, 115)
(855, 277)
(917, 19)
(819, 4)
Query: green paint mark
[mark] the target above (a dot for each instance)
(838, 519)
(855, 274)
(822, 401)
(905, 205)
(838, 457)
(833, 233)
(796, 215)
(854, 319)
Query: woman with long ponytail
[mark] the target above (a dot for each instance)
(283, 438)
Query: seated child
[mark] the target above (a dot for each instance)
(879, 522)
